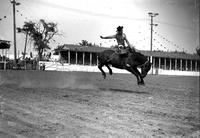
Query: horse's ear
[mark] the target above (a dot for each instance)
(149, 62)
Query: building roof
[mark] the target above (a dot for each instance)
(82, 48)
(178, 55)
(4, 44)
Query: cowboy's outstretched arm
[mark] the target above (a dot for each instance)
(108, 37)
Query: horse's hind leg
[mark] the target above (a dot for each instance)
(110, 70)
(102, 71)
(141, 82)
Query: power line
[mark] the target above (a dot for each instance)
(176, 25)
(63, 7)
(27, 9)
(169, 42)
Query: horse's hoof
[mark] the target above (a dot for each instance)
(141, 83)
(143, 75)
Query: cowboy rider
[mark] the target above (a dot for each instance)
(120, 37)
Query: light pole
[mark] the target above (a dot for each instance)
(151, 39)
(14, 28)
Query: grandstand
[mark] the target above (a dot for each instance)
(85, 55)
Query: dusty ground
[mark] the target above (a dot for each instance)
(36, 104)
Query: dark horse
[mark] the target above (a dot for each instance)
(129, 62)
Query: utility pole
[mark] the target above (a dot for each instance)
(151, 39)
(14, 28)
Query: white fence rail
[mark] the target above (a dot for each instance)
(57, 66)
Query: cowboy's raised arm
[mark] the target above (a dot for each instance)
(108, 37)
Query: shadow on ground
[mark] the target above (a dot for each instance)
(123, 90)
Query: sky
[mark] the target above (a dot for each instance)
(178, 22)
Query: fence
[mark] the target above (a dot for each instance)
(20, 65)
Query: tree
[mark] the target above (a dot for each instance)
(41, 33)
(198, 50)
(27, 28)
(4, 44)
(86, 43)
(58, 49)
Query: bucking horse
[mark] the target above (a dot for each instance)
(130, 62)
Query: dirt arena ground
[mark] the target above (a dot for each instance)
(48, 104)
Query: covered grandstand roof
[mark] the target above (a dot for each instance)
(179, 55)
(82, 48)
(4, 44)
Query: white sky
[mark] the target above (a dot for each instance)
(178, 21)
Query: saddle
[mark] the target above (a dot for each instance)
(123, 52)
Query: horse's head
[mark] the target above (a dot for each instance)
(145, 68)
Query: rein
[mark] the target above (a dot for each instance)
(144, 63)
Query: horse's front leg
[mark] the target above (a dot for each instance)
(140, 81)
(110, 70)
(101, 69)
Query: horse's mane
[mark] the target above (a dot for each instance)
(139, 56)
